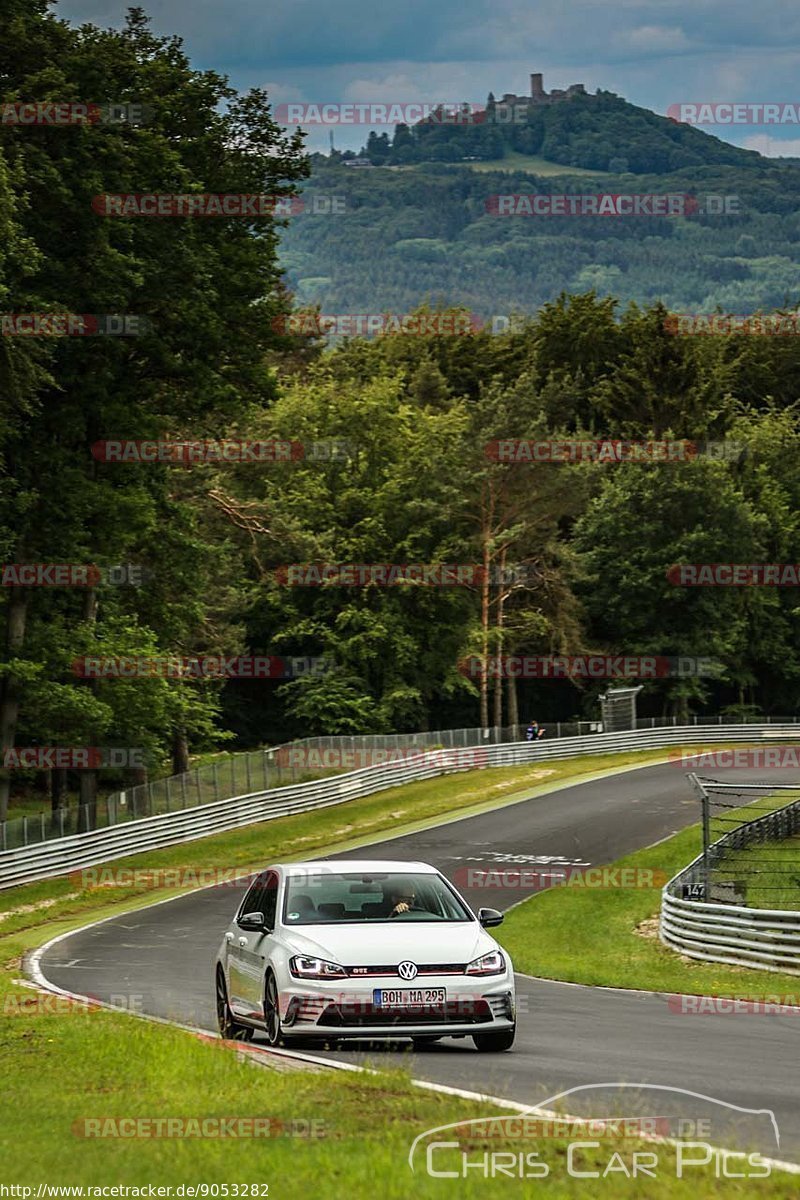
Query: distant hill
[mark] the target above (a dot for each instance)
(427, 228)
(600, 132)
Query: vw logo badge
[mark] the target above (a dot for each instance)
(407, 970)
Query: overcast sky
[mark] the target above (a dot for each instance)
(652, 52)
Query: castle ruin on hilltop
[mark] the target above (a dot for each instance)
(540, 96)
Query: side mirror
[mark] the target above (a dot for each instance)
(490, 917)
(253, 921)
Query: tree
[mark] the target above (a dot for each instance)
(210, 289)
(643, 521)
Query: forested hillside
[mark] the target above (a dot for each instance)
(428, 232)
(400, 472)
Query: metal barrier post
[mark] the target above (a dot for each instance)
(703, 794)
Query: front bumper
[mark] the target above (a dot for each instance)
(348, 1010)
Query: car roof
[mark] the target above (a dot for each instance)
(338, 865)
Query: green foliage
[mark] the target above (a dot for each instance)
(435, 233)
(598, 132)
(415, 415)
(209, 289)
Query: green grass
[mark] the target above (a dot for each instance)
(770, 872)
(590, 936)
(531, 163)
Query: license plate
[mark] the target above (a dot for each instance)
(407, 997)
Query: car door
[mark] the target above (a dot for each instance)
(252, 947)
(238, 949)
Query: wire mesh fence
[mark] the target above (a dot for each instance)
(751, 845)
(296, 762)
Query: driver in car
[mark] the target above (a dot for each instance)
(400, 899)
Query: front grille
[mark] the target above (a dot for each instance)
(455, 1012)
(422, 969)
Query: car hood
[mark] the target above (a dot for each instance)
(388, 943)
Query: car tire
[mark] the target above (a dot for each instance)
(423, 1041)
(499, 1039)
(229, 1029)
(272, 1016)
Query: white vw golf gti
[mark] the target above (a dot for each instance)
(346, 948)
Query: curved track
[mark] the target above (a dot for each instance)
(567, 1036)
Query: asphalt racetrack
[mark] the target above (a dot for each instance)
(568, 1036)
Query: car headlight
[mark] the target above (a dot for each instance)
(315, 968)
(492, 963)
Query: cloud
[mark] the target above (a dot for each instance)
(281, 93)
(773, 147)
(657, 39)
(398, 87)
(653, 52)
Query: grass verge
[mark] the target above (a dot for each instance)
(117, 1074)
(769, 873)
(608, 937)
(765, 873)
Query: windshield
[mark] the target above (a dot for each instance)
(327, 898)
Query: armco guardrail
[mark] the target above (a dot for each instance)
(765, 939)
(48, 859)
(244, 774)
(271, 767)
